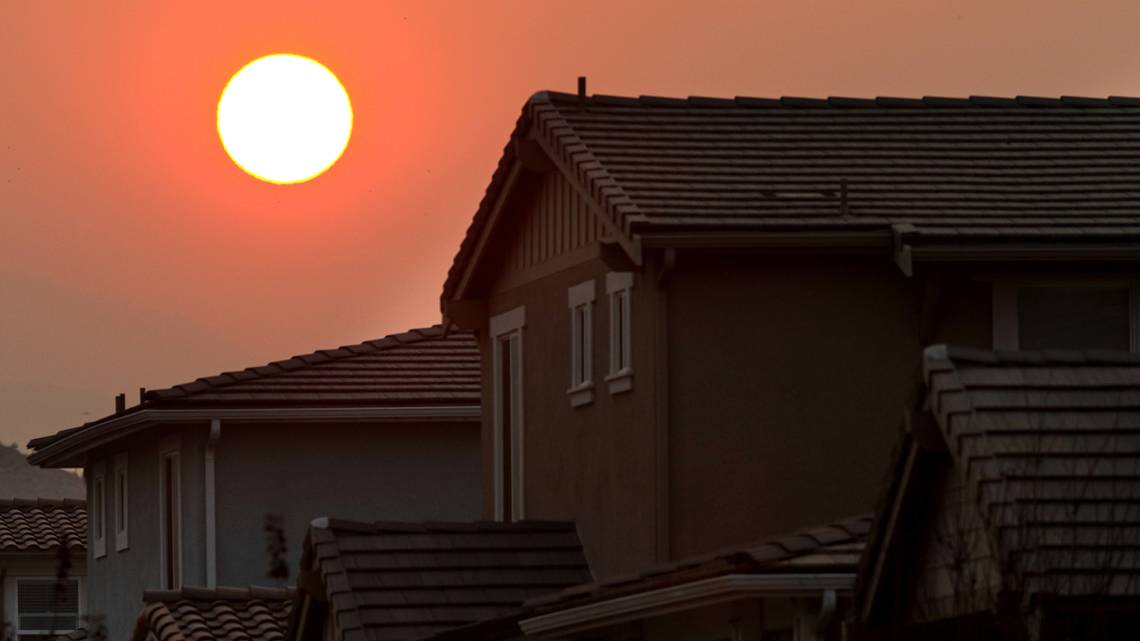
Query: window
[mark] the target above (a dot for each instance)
(44, 606)
(119, 479)
(99, 510)
(581, 302)
(1064, 315)
(507, 376)
(618, 286)
(170, 513)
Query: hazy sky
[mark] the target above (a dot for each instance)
(134, 253)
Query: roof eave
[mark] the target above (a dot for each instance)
(69, 450)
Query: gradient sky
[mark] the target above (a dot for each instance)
(134, 253)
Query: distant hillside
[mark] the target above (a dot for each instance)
(20, 480)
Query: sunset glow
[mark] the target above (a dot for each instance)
(284, 118)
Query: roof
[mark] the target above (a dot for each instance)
(400, 581)
(953, 170)
(216, 614)
(832, 548)
(416, 368)
(42, 525)
(1048, 444)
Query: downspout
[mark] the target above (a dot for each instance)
(211, 505)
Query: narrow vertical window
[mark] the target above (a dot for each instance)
(507, 360)
(619, 286)
(122, 517)
(170, 515)
(580, 299)
(99, 511)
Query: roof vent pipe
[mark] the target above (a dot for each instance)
(142, 395)
(582, 88)
(120, 402)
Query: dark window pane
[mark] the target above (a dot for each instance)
(1073, 318)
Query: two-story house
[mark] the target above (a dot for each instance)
(701, 318)
(179, 487)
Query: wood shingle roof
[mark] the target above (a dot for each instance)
(403, 581)
(1048, 445)
(929, 170)
(41, 525)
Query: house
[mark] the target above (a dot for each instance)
(220, 614)
(183, 486)
(42, 566)
(386, 581)
(1013, 510)
(700, 318)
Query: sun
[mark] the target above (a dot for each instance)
(284, 118)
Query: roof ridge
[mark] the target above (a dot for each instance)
(948, 353)
(842, 102)
(529, 526)
(219, 593)
(316, 357)
(7, 504)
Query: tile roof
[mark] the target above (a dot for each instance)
(402, 581)
(949, 169)
(1048, 444)
(417, 367)
(217, 614)
(833, 548)
(33, 525)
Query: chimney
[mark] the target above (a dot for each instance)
(120, 402)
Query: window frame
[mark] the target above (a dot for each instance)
(619, 289)
(121, 503)
(580, 301)
(170, 577)
(508, 327)
(1006, 319)
(98, 512)
(11, 587)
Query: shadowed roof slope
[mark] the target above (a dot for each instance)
(403, 581)
(929, 170)
(218, 614)
(832, 548)
(41, 525)
(417, 368)
(1048, 444)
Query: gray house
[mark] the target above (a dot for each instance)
(701, 318)
(180, 485)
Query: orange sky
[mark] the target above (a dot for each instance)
(134, 253)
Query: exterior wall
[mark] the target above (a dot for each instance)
(24, 565)
(787, 381)
(411, 471)
(594, 464)
(116, 581)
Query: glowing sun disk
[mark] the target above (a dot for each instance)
(284, 118)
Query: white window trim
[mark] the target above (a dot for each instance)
(121, 502)
(1005, 318)
(620, 379)
(99, 509)
(580, 299)
(11, 603)
(502, 326)
(170, 447)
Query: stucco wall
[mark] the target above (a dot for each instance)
(592, 464)
(393, 471)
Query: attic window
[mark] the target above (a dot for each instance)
(580, 299)
(1064, 315)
